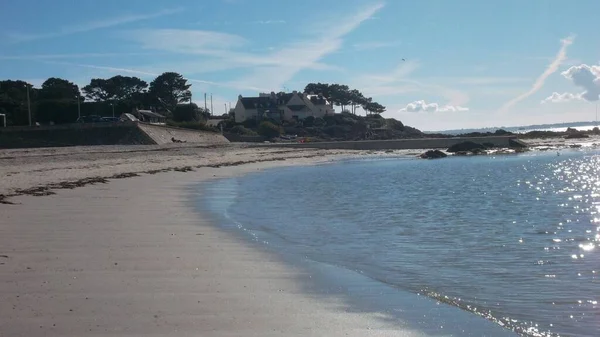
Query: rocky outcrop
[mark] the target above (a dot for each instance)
(433, 154)
(466, 146)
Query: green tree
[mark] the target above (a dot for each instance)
(374, 107)
(59, 89)
(124, 88)
(319, 88)
(356, 99)
(13, 101)
(170, 89)
(189, 112)
(117, 88)
(98, 90)
(269, 130)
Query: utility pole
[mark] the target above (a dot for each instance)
(28, 103)
(211, 105)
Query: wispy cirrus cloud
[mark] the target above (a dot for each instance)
(483, 80)
(371, 45)
(221, 51)
(560, 57)
(197, 42)
(93, 25)
(69, 56)
(322, 41)
(149, 73)
(397, 81)
(269, 22)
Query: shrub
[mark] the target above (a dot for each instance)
(394, 124)
(250, 123)
(240, 130)
(308, 121)
(269, 130)
(290, 123)
(192, 125)
(184, 113)
(319, 121)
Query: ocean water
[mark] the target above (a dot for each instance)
(588, 127)
(515, 239)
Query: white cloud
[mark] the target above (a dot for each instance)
(418, 106)
(586, 77)
(560, 57)
(561, 98)
(370, 45)
(95, 25)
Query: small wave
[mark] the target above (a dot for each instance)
(528, 329)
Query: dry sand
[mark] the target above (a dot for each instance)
(131, 257)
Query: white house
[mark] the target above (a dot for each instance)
(282, 106)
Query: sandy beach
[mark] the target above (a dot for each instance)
(131, 257)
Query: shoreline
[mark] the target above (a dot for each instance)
(101, 259)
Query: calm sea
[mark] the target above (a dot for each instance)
(515, 239)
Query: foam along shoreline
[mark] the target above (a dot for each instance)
(131, 257)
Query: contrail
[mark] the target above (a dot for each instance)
(539, 83)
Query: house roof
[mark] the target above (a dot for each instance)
(150, 113)
(265, 101)
(317, 99)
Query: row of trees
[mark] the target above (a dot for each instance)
(59, 100)
(342, 96)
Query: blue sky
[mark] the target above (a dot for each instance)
(467, 63)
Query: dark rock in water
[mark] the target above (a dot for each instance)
(576, 135)
(465, 146)
(572, 130)
(463, 153)
(433, 154)
(479, 151)
(575, 146)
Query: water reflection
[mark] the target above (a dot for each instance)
(512, 239)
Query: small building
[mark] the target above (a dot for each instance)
(149, 116)
(282, 106)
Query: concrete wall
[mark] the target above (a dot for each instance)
(401, 144)
(122, 133)
(244, 139)
(73, 135)
(164, 134)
